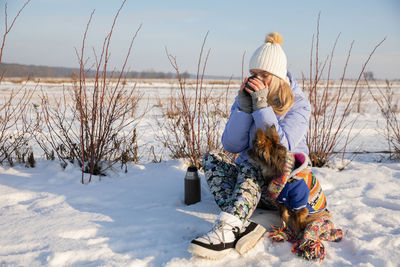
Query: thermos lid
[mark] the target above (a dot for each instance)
(192, 173)
(192, 169)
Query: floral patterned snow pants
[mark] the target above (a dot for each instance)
(236, 189)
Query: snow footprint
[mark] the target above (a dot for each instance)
(378, 195)
(80, 234)
(45, 203)
(17, 198)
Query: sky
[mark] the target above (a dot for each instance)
(48, 31)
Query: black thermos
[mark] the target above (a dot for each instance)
(192, 186)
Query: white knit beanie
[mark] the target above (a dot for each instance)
(270, 57)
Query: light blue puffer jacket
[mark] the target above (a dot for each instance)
(292, 128)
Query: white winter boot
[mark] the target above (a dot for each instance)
(222, 238)
(249, 236)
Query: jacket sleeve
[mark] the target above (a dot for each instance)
(293, 127)
(235, 137)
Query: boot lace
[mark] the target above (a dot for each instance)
(221, 226)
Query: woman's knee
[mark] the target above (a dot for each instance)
(216, 154)
(217, 157)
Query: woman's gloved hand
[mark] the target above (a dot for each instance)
(244, 98)
(259, 94)
(259, 99)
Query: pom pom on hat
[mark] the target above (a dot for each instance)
(274, 38)
(270, 57)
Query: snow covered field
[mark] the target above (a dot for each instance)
(48, 218)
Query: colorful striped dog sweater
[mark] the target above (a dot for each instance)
(298, 187)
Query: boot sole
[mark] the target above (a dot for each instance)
(247, 242)
(208, 253)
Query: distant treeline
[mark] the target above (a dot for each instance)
(19, 70)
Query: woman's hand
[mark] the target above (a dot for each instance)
(252, 100)
(255, 83)
(259, 96)
(244, 99)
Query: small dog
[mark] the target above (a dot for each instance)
(301, 193)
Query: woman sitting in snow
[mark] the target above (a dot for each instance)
(270, 97)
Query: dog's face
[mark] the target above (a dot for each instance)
(267, 153)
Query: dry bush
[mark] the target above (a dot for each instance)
(330, 108)
(94, 122)
(388, 106)
(15, 125)
(193, 116)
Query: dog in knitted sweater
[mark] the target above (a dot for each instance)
(292, 186)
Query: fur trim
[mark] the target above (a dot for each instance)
(305, 164)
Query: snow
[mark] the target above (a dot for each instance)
(138, 218)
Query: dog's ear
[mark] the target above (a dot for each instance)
(272, 134)
(275, 135)
(259, 135)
